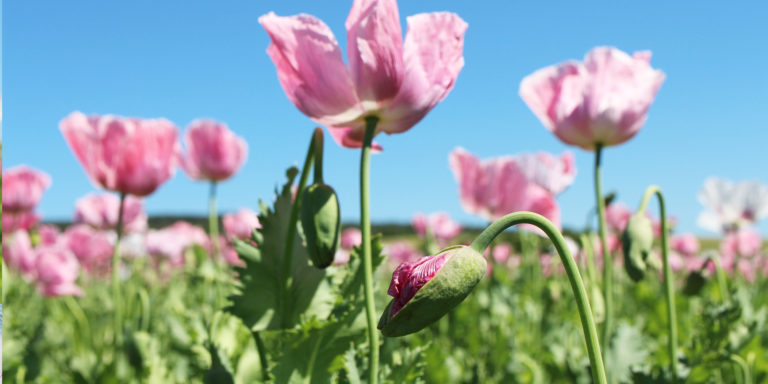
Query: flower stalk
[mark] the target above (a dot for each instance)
(116, 271)
(668, 277)
(572, 270)
(365, 227)
(607, 260)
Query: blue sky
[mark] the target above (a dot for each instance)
(183, 60)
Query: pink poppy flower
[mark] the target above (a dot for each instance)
(439, 224)
(240, 225)
(229, 253)
(744, 243)
(616, 216)
(550, 172)
(57, 270)
(49, 234)
(732, 205)
(19, 221)
(92, 248)
(397, 81)
(350, 238)
(409, 277)
(400, 252)
(18, 253)
(603, 100)
(23, 188)
(126, 155)
(686, 244)
(495, 187)
(100, 211)
(213, 151)
(171, 242)
(748, 269)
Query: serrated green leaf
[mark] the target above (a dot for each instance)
(261, 300)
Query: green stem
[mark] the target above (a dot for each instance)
(116, 272)
(589, 254)
(291, 231)
(262, 350)
(668, 277)
(607, 261)
(145, 308)
(312, 358)
(744, 368)
(365, 225)
(213, 221)
(84, 328)
(318, 137)
(577, 285)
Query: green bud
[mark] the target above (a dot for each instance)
(321, 223)
(448, 282)
(638, 243)
(694, 282)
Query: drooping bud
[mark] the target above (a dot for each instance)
(321, 222)
(426, 289)
(638, 243)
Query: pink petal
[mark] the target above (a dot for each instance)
(375, 51)
(433, 58)
(352, 137)
(213, 151)
(310, 68)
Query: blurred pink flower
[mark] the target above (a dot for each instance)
(18, 253)
(439, 224)
(400, 252)
(350, 238)
(92, 248)
(495, 187)
(603, 100)
(171, 242)
(100, 211)
(686, 244)
(229, 253)
(744, 243)
(57, 270)
(49, 234)
(616, 216)
(126, 155)
(19, 221)
(501, 253)
(397, 81)
(748, 269)
(240, 225)
(213, 151)
(23, 188)
(550, 172)
(409, 277)
(732, 205)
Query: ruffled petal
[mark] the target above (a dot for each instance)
(310, 68)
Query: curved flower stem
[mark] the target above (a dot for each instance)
(291, 230)
(607, 261)
(577, 285)
(365, 226)
(116, 272)
(668, 278)
(262, 350)
(213, 221)
(722, 282)
(746, 375)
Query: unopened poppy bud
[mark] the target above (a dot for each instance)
(638, 242)
(694, 283)
(426, 289)
(321, 222)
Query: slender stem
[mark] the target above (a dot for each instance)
(262, 350)
(291, 231)
(365, 225)
(318, 137)
(607, 261)
(84, 328)
(744, 368)
(312, 358)
(213, 221)
(577, 285)
(589, 254)
(668, 277)
(116, 272)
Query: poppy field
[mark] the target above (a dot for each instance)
(290, 291)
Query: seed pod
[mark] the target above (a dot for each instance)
(426, 289)
(321, 223)
(638, 243)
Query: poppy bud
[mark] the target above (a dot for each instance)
(638, 242)
(321, 223)
(426, 289)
